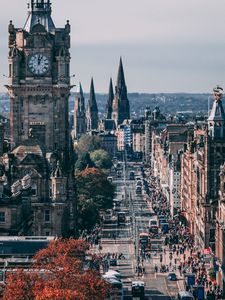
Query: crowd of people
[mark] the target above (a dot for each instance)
(179, 243)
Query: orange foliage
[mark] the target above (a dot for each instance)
(58, 273)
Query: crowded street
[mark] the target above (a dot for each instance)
(142, 242)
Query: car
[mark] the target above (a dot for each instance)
(114, 273)
(172, 277)
(139, 183)
(110, 277)
(113, 262)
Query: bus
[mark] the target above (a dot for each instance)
(116, 290)
(121, 218)
(153, 226)
(144, 241)
(138, 290)
(132, 175)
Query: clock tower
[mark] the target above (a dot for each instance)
(39, 80)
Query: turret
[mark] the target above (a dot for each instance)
(216, 120)
(59, 181)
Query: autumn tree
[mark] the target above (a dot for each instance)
(58, 273)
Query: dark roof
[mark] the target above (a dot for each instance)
(109, 124)
(28, 248)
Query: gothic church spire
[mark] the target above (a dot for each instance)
(110, 101)
(92, 111)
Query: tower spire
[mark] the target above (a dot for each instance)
(40, 13)
(121, 78)
(121, 106)
(79, 113)
(92, 113)
(110, 101)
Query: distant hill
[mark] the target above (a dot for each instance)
(168, 103)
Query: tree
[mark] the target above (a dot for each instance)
(88, 143)
(95, 193)
(57, 273)
(84, 161)
(101, 159)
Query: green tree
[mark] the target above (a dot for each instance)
(88, 143)
(95, 193)
(101, 159)
(84, 161)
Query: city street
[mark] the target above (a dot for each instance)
(125, 239)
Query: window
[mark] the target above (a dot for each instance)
(34, 190)
(2, 217)
(47, 233)
(10, 70)
(47, 215)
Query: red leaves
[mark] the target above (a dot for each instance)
(57, 273)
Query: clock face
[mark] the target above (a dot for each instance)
(38, 64)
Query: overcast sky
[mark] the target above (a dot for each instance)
(166, 45)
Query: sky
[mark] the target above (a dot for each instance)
(166, 45)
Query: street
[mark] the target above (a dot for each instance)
(124, 238)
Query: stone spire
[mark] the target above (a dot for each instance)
(110, 101)
(121, 78)
(40, 13)
(92, 111)
(79, 113)
(216, 120)
(121, 106)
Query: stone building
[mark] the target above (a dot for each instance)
(92, 110)
(79, 113)
(1, 138)
(120, 105)
(208, 147)
(188, 197)
(39, 89)
(220, 232)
